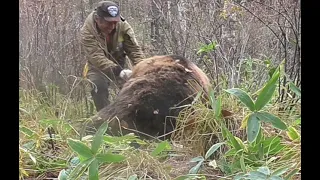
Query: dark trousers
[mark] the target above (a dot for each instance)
(100, 85)
(99, 89)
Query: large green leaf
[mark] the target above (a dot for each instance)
(133, 177)
(266, 93)
(265, 170)
(110, 158)
(98, 138)
(161, 147)
(276, 122)
(80, 148)
(293, 134)
(195, 169)
(253, 127)
(78, 171)
(197, 159)
(218, 107)
(62, 175)
(212, 98)
(295, 89)
(257, 175)
(243, 96)
(231, 138)
(27, 131)
(93, 170)
(212, 149)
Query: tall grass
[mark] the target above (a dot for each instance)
(48, 121)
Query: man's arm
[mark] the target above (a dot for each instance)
(96, 55)
(131, 46)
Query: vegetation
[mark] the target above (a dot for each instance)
(51, 146)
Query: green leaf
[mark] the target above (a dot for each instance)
(94, 170)
(230, 152)
(256, 175)
(212, 98)
(259, 138)
(49, 122)
(110, 158)
(272, 145)
(212, 149)
(239, 176)
(261, 151)
(196, 168)
(276, 122)
(80, 148)
(244, 122)
(240, 142)
(126, 139)
(62, 175)
(197, 159)
(161, 147)
(271, 71)
(242, 164)
(264, 170)
(234, 142)
(243, 96)
(97, 140)
(253, 127)
(80, 168)
(133, 177)
(293, 133)
(218, 108)
(295, 89)
(266, 93)
(74, 161)
(200, 51)
(27, 131)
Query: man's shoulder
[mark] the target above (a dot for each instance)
(88, 25)
(125, 25)
(89, 19)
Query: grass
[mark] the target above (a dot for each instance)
(46, 122)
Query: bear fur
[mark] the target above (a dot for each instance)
(149, 101)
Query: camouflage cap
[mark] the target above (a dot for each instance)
(109, 10)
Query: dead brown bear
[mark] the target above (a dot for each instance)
(145, 102)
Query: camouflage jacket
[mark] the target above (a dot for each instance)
(103, 55)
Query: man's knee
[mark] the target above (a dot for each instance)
(98, 83)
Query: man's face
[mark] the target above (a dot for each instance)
(106, 26)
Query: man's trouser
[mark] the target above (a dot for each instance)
(100, 85)
(99, 88)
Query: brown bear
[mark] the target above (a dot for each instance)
(149, 101)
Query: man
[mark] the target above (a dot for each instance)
(107, 38)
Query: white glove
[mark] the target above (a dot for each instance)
(125, 74)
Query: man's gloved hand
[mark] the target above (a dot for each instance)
(125, 74)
